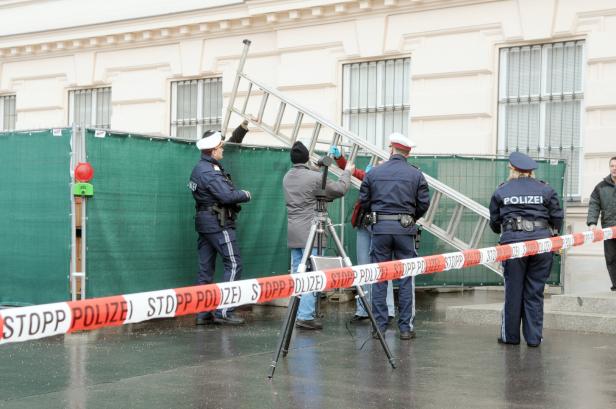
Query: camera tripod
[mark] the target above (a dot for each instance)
(320, 224)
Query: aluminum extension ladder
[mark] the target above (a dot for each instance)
(324, 134)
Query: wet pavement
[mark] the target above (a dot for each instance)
(173, 364)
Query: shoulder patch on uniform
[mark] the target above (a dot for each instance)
(216, 167)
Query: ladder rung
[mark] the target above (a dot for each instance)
(279, 116)
(262, 107)
(353, 154)
(296, 126)
(247, 98)
(454, 222)
(315, 137)
(429, 216)
(478, 232)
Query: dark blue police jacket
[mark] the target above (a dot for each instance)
(210, 186)
(529, 198)
(395, 187)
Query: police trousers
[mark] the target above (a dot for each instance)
(525, 280)
(224, 244)
(387, 247)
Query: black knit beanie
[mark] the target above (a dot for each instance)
(299, 153)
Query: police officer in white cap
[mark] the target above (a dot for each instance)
(216, 203)
(524, 208)
(396, 194)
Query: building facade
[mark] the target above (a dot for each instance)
(472, 77)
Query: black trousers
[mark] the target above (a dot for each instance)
(524, 283)
(610, 258)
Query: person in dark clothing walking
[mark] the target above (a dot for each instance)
(603, 201)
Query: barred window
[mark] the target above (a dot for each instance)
(540, 103)
(7, 112)
(376, 98)
(196, 106)
(90, 107)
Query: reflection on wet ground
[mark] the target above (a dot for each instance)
(173, 364)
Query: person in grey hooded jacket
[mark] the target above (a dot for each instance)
(603, 201)
(301, 184)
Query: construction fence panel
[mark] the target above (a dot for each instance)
(141, 220)
(141, 234)
(35, 227)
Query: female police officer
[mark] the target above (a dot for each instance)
(521, 209)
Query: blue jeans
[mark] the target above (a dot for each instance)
(307, 303)
(364, 237)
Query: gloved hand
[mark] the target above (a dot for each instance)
(368, 168)
(247, 194)
(335, 152)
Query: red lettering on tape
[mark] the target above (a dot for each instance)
(532, 247)
(503, 252)
(390, 270)
(275, 287)
(339, 278)
(578, 238)
(192, 300)
(97, 313)
(435, 263)
(1, 326)
(471, 257)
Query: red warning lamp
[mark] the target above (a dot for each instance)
(84, 172)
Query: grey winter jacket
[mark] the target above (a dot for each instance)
(603, 200)
(300, 187)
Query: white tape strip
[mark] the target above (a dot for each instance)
(517, 250)
(366, 274)
(545, 245)
(453, 260)
(37, 321)
(153, 304)
(488, 255)
(235, 293)
(308, 282)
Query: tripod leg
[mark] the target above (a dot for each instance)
(360, 292)
(293, 306)
(289, 323)
(285, 337)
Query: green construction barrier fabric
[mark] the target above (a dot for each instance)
(140, 231)
(35, 227)
(141, 235)
(477, 178)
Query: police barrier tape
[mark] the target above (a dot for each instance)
(39, 321)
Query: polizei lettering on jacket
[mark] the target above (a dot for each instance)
(523, 200)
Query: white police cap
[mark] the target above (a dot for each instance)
(400, 141)
(210, 140)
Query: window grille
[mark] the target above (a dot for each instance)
(90, 107)
(376, 98)
(7, 112)
(196, 106)
(540, 104)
